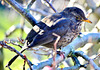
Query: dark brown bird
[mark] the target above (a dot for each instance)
(66, 24)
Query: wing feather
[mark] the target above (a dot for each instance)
(59, 28)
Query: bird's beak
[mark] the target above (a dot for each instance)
(87, 20)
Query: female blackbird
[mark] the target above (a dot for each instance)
(66, 24)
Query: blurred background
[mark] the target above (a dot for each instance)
(14, 26)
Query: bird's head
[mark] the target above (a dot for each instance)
(77, 13)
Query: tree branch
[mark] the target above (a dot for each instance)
(3, 44)
(50, 5)
(22, 11)
(30, 4)
(78, 42)
(82, 54)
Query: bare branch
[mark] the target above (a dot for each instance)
(80, 53)
(10, 48)
(28, 62)
(78, 42)
(22, 11)
(96, 56)
(93, 59)
(30, 4)
(51, 6)
(76, 66)
(16, 44)
(3, 44)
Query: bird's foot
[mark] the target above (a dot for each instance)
(61, 53)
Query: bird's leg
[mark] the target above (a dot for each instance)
(55, 47)
(58, 38)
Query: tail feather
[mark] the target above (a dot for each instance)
(15, 57)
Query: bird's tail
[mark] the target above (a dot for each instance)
(15, 57)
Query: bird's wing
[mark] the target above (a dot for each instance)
(30, 36)
(47, 21)
(60, 27)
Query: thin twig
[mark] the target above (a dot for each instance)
(51, 6)
(10, 42)
(24, 65)
(96, 56)
(21, 40)
(9, 68)
(3, 44)
(28, 62)
(93, 59)
(10, 48)
(30, 4)
(80, 53)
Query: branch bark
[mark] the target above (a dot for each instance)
(24, 12)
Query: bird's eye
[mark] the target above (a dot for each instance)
(78, 18)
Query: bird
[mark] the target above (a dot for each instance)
(66, 24)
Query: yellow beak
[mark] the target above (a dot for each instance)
(87, 21)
